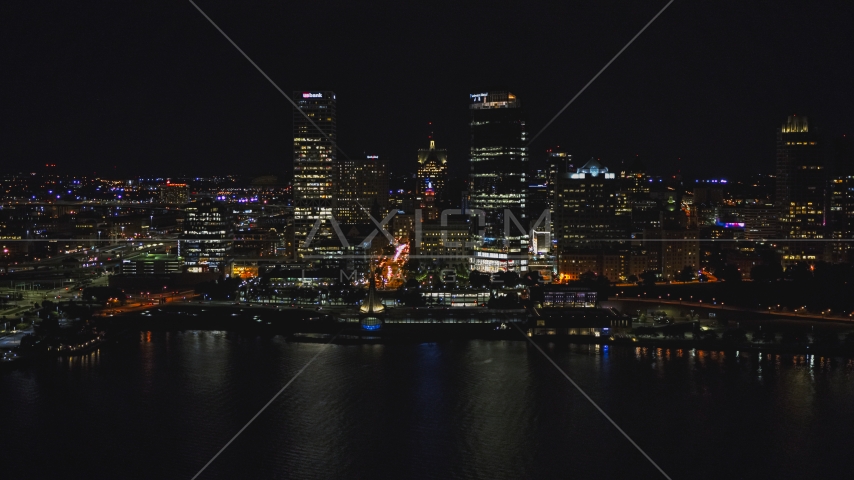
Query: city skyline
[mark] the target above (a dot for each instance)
(438, 239)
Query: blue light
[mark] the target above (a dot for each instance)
(371, 327)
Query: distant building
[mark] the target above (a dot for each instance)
(152, 264)
(800, 189)
(559, 162)
(840, 215)
(445, 242)
(207, 237)
(674, 249)
(614, 264)
(362, 189)
(175, 193)
(585, 207)
(760, 222)
(432, 170)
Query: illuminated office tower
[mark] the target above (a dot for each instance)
(634, 199)
(432, 170)
(362, 189)
(175, 193)
(499, 165)
(315, 167)
(840, 215)
(585, 209)
(206, 242)
(558, 162)
(800, 189)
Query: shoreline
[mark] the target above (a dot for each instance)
(313, 326)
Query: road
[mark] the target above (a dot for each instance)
(723, 306)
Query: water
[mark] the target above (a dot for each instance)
(161, 405)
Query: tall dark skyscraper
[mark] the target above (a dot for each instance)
(559, 161)
(840, 202)
(315, 167)
(800, 179)
(498, 178)
(585, 207)
(362, 189)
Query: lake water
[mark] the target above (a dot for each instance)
(161, 404)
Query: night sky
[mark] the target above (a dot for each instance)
(152, 88)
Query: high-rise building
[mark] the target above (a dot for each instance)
(432, 170)
(585, 207)
(558, 162)
(207, 238)
(800, 180)
(175, 193)
(498, 181)
(362, 189)
(498, 159)
(315, 166)
(840, 202)
(634, 199)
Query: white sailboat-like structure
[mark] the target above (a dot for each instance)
(371, 308)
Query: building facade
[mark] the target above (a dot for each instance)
(432, 170)
(206, 242)
(362, 189)
(498, 161)
(800, 189)
(315, 168)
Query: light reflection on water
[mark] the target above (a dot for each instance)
(464, 409)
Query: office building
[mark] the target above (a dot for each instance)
(432, 170)
(585, 208)
(800, 182)
(498, 181)
(315, 167)
(207, 239)
(174, 193)
(362, 189)
(498, 161)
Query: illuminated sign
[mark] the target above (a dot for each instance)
(375, 157)
(478, 97)
(312, 95)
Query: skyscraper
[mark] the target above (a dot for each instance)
(362, 189)
(558, 162)
(840, 214)
(800, 188)
(585, 207)
(207, 238)
(315, 166)
(499, 165)
(432, 169)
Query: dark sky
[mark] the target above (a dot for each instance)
(151, 87)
